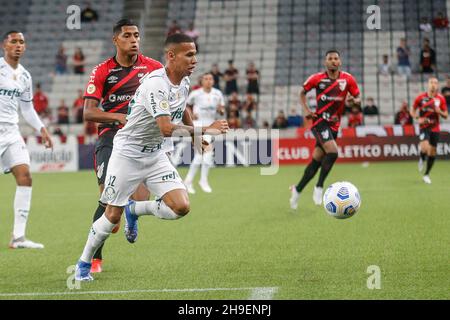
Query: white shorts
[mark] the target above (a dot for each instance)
(125, 174)
(13, 150)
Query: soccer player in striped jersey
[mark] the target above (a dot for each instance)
(428, 108)
(332, 87)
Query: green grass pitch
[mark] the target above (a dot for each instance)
(243, 236)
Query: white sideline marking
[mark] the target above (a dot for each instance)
(260, 291)
(263, 293)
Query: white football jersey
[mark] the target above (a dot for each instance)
(205, 105)
(15, 85)
(156, 96)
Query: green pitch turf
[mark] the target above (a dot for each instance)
(243, 236)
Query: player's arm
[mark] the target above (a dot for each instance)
(187, 120)
(307, 113)
(94, 114)
(167, 128)
(355, 95)
(355, 101)
(415, 114)
(93, 96)
(221, 105)
(157, 104)
(190, 107)
(221, 109)
(187, 116)
(443, 112)
(31, 117)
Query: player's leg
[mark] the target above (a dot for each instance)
(193, 168)
(100, 231)
(141, 193)
(207, 163)
(423, 148)
(309, 173)
(165, 182)
(331, 154)
(102, 155)
(139, 199)
(331, 150)
(173, 202)
(311, 169)
(122, 179)
(431, 153)
(17, 160)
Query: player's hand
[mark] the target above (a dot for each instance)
(311, 116)
(206, 146)
(437, 109)
(121, 118)
(424, 121)
(218, 127)
(48, 143)
(194, 116)
(351, 100)
(221, 110)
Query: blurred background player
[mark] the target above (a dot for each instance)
(113, 83)
(156, 111)
(427, 109)
(206, 103)
(332, 87)
(16, 92)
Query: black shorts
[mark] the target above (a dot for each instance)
(103, 149)
(323, 133)
(430, 136)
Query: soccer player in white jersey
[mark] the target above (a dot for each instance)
(206, 104)
(156, 111)
(16, 93)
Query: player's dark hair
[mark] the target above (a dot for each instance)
(6, 34)
(177, 38)
(332, 51)
(123, 23)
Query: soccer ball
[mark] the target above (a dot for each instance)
(342, 200)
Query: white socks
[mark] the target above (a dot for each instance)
(196, 163)
(22, 204)
(100, 231)
(205, 161)
(206, 164)
(156, 208)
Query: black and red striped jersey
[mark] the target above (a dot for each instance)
(114, 85)
(331, 95)
(427, 109)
